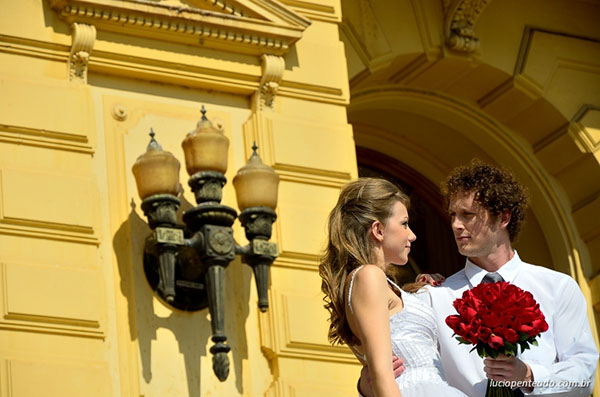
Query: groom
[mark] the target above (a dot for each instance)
(487, 207)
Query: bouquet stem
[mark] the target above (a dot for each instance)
(498, 391)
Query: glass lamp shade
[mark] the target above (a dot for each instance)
(256, 184)
(156, 172)
(205, 148)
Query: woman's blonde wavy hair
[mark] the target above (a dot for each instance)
(361, 202)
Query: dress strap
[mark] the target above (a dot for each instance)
(350, 287)
(393, 284)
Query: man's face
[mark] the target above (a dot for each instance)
(476, 232)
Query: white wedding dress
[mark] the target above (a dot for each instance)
(414, 340)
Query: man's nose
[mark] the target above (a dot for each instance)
(457, 224)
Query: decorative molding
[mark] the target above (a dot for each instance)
(579, 132)
(17, 218)
(41, 323)
(316, 10)
(413, 69)
(84, 37)
(33, 48)
(272, 73)
(278, 29)
(222, 6)
(46, 231)
(461, 17)
(362, 28)
(44, 138)
(312, 176)
(297, 260)
(188, 75)
(527, 42)
(427, 24)
(119, 112)
(277, 339)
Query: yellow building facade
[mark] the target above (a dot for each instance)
(322, 87)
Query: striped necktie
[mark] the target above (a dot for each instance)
(492, 278)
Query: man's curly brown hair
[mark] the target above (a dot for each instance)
(495, 189)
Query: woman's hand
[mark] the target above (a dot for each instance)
(434, 279)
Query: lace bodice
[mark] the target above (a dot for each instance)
(414, 339)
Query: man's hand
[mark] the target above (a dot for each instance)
(434, 279)
(364, 384)
(508, 369)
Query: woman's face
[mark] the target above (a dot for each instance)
(397, 236)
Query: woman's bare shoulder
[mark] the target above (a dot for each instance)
(369, 276)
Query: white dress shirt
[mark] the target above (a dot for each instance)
(566, 352)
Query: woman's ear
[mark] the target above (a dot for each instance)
(376, 231)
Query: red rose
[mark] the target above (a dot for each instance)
(511, 335)
(493, 315)
(539, 326)
(452, 322)
(495, 341)
(484, 334)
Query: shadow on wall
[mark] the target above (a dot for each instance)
(149, 317)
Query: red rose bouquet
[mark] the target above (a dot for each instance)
(497, 318)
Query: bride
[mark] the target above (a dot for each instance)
(368, 231)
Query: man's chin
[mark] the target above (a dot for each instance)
(464, 251)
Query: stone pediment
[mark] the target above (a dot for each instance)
(246, 26)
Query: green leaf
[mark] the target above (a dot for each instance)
(480, 350)
(491, 352)
(510, 349)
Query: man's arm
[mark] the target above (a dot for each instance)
(576, 353)
(364, 386)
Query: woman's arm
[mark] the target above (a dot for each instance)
(370, 295)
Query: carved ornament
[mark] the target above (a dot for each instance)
(461, 17)
(84, 37)
(272, 74)
(266, 28)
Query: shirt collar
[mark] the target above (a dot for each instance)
(508, 271)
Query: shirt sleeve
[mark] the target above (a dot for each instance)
(576, 353)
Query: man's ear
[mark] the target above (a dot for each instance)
(505, 218)
(376, 231)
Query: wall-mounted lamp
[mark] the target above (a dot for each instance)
(185, 264)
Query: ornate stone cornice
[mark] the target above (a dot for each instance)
(271, 32)
(460, 19)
